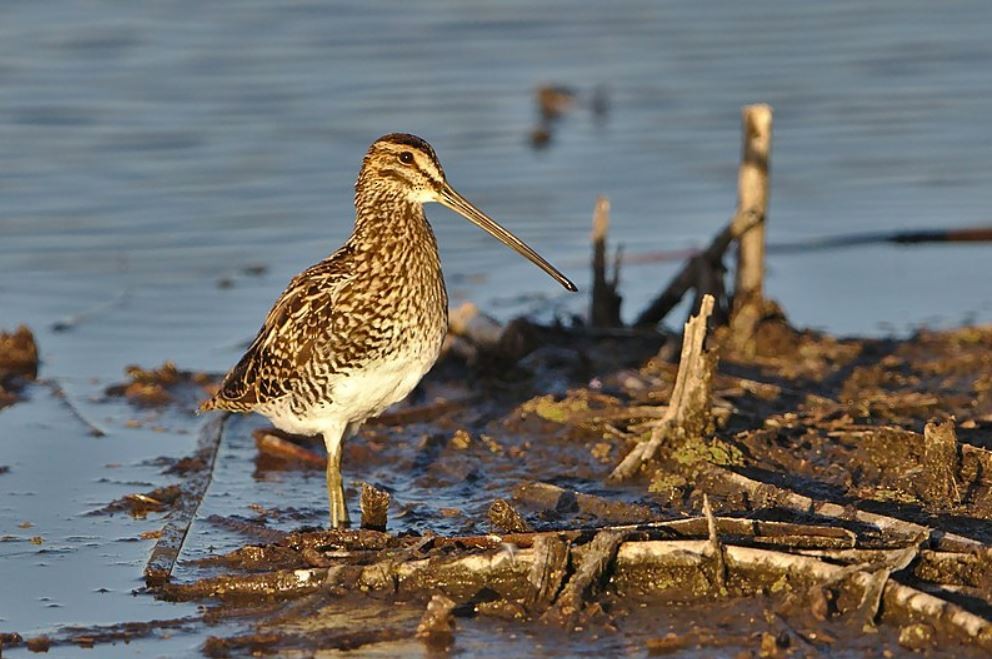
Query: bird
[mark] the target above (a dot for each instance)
(356, 332)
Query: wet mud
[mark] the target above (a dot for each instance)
(838, 499)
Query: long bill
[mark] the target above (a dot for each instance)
(451, 199)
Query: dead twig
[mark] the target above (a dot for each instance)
(59, 392)
(709, 259)
(913, 237)
(605, 304)
(158, 570)
(72, 321)
(688, 413)
(716, 547)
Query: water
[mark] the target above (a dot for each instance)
(150, 150)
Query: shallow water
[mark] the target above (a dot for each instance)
(150, 151)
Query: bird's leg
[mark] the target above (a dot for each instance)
(335, 486)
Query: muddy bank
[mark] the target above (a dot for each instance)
(838, 498)
(787, 492)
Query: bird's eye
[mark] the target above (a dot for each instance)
(406, 158)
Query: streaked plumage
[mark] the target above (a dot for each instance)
(356, 332)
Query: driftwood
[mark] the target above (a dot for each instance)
(548, 570)
(551, 497)
(765, 494)
(305, 559)
(901, 602)
(536, 576)
(604, 309)
(688, 414)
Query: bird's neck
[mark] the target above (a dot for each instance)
(387, 223)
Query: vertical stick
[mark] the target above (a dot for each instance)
(752, 196)
(605, 306)
(689, 410)
(375, 507)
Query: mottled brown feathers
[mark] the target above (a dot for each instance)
(278, 355)
(380, 293)
(379, 299)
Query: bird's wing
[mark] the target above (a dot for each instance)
(294, 328)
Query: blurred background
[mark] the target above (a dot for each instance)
(166, 167)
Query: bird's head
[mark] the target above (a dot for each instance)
(405, 166)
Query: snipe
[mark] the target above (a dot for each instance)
(356, 332)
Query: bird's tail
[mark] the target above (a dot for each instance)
(208, 405)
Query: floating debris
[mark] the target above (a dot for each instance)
(162, 386)
(139, 505)
(554, 102)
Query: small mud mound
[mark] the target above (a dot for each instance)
(18, 363)
(163, 386)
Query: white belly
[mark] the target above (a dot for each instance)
(366, 393)
(354, 397)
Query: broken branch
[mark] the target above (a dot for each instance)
(688, 413)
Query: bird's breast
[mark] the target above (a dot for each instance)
(367, 391)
